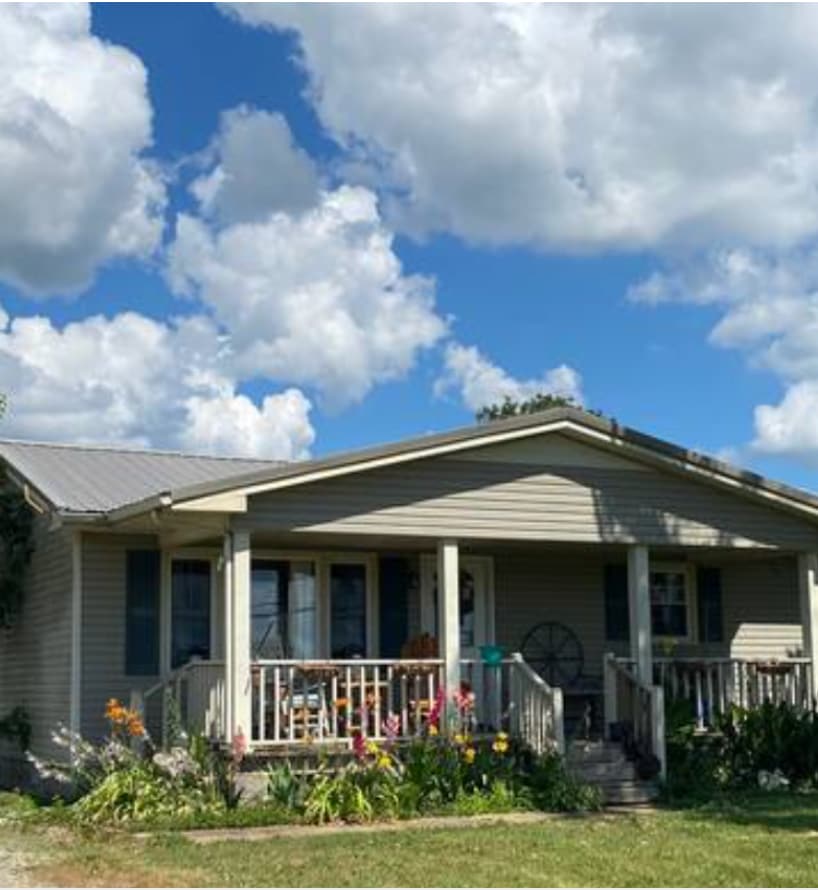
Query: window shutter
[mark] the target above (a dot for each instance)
(142, 613)
(711, 621)
(617, 617)
(395, 575)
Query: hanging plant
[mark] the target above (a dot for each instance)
(16, 546)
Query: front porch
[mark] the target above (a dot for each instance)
(308, 650)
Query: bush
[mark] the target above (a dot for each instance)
(747, 744)
(124, 780)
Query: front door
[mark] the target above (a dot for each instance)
(476, 606)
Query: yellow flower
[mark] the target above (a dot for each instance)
(500, 746)
(469, 754)
(432, 729)
(459, 739)
(371, 747)
(384, 761)
(502, 736)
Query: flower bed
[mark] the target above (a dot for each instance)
(125, 781)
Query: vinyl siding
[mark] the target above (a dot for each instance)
(103, 627)
(759, 600)
(35, 655)
(513, 500)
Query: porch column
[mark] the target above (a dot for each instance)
(448, 598)
(639, 606)
(241, 684)
(808, 588)
(227, 591)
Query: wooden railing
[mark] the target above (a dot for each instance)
(194, 693)
(330, 701)
(636, 705)
(712, 685)
(535, 708)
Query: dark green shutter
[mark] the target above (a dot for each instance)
(142, 613)
(711, 621)
(395, 574)
(617, 617)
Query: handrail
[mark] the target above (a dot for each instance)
(173, 679)
(648, 708)
(539, 708)
(714, 684)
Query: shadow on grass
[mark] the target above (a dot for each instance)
(785, 811)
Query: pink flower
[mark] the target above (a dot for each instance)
(437, 708)
(391, 727)
(239, 745)
(358, 745)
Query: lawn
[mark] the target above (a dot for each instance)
(761, 841)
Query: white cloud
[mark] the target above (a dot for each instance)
(75, 118)
(479, 382)
(318, 298)
(133, 380)
(258, 169)
(769, 305)
(791, 426)
(573, 126)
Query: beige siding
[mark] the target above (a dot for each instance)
(760, 603)
(511, 500)
(103, 627)
(35, 655)
(761, 609)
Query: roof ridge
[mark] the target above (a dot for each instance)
(159, 452)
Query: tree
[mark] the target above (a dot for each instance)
(512, 408)
(3, 403)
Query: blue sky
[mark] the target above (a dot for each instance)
(519, 276)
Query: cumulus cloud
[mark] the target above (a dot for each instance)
(75, 119)
(565, 126)
(479, 382)
(317, 298)
(258, 169)
(133, 380)
(769, 310)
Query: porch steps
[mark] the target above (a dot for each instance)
(604, 764)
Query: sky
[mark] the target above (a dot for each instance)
(284, 230)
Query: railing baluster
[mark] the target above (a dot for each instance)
(276, 703)
(262, 716)
(376, 680)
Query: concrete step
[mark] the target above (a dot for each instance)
(596, 771)
(594, 752)
(629, 792)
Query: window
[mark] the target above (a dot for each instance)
(347, 583)
(190, 610)
(284, 611)
(142, 613)
(669, 600)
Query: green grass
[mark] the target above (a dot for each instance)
(753, 841)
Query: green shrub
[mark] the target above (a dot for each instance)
(552, 788)
(773, 738)
(359, 792)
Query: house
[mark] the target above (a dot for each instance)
(548, 573)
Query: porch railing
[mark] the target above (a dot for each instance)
(193, 694)
(536, 709)
(710, 686)
(330, 701)
(631, 703)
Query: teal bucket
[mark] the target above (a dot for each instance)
(492, 655)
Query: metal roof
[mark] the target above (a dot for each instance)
(89, 479)
(122, 482)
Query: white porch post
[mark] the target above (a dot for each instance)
(808, 587)
(241, 684)
(227, 590)
(639, 605)
(448, 586)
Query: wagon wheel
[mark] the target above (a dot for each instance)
(554, 652)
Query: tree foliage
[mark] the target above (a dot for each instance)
(512, 407)
(16, 545)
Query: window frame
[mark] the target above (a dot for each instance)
(688, 571)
